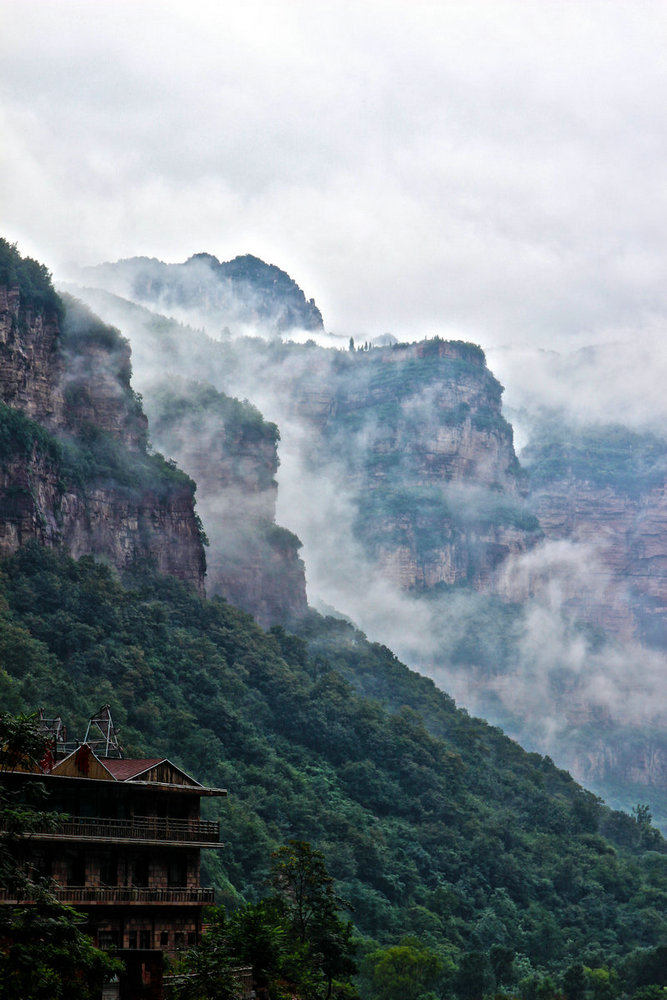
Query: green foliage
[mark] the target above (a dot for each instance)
(293, 941)
(32, 278)
(432, 823)
(44, 955)
(82, 328)
(20, 740)
(20, 436)
(405, 971)
(429, 517)
(96, 457)
(176, 400)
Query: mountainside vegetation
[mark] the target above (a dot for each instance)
(408, 482)
(440, 832)
(467, 866)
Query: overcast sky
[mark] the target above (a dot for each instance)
(490, 171)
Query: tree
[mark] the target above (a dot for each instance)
(502, 960)
(405, 971)
(209, 968)
(474, 977)
(44, 955)
(20, 739)
(574, 982)
(304, 893)
(257, 936)
(648, 836)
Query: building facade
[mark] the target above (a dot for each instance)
(126, 853)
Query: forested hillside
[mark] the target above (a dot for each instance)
(434, 825)
(530, 586)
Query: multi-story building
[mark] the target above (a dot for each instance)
(126, 852)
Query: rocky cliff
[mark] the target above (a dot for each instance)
(412, 434)
(31, 363)
(430, 459)
(606, 487)
(75, 469)
(231, 452)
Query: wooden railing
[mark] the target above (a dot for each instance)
(78, 895)
(138, 828)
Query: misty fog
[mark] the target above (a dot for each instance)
(517, 652)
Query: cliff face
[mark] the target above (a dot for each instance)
(637, 759)
(231, 452)
(430, 459)
(31, 364)
(74, 467)
(38, 502)
(607, 487)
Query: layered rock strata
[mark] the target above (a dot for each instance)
(74, 467)
(231, 452)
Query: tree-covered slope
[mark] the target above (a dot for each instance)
(433, 823)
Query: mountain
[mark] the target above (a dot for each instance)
(231, 452)
(439, 830)
(528, 586)
(75, 466)
(243, 293)
(607, 483)
(442, 833)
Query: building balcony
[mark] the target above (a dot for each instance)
(77, 895)
(147, 829)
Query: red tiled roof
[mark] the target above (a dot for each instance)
(123, 769)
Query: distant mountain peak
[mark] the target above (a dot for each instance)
(242, 294)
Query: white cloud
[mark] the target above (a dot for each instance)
(488, 167)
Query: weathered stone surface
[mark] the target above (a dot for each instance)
(97, 392)
(231, 452)
(419, 433)
(65, 392)
(31, 364)
(630, 535)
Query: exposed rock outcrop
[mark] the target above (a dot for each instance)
(31, 363)
(607, 487)
(74, 467)
(231, 452)
(430, 458)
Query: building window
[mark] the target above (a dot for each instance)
(144, 939)
(132, 939)
(164, 939)
(108, 869)
(192, 939)
(140, 871)
(75, 872)
(177, 872)
(179, 939)
(107, 939)
(42, 865)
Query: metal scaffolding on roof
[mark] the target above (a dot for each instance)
(102, 736)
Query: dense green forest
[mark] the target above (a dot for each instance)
(444, 837)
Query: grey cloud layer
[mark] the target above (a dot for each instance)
(486, 170)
